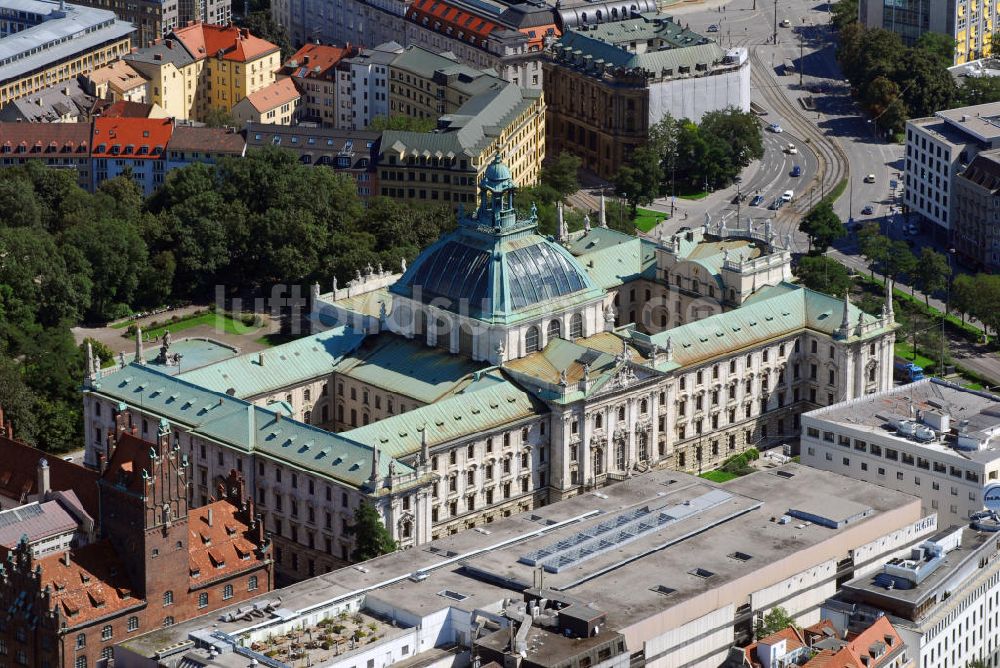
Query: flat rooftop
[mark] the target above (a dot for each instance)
(981, 120)
(974, 413)
(635, 549)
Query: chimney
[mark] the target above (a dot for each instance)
(260, 358)
(65, 558)
(170, 43)
(208, 516)
(44, 481)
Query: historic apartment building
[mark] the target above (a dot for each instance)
(490, 378)
(606, 84)
(200, 68)
(154, 562)
(45, 42)
(976, 214)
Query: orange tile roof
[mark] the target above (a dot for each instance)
(94, 584)
(129, 459)
(790, 634)
(316, 60)
(473, 26)
(147, 137)
(274, 95)
(880, 631)
(204, 40)
(221, 549)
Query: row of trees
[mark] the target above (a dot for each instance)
(686, 157)
(895, 82)
(68, 257)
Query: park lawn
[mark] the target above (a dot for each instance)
(646, 219)
(229, 325)
(121, 325)
(718, 476)
(275, 339)
(905, 350)
(695, 196)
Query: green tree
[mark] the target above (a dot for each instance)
(823, 273)
(100, 350)
(940, 46)
(931, 273)
(995, 45)
(845, 13)
(979, 90)
(776, 619)
(404, 123)
(963, 295)
(262, 24)
(927, 85)
(874, 245)
(638, 182)
(371, 539)
(899, 260)
(822, 226)
(218, 118)
(560, 173)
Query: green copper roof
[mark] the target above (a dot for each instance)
(612, 258)
(283, 366)
(241, 425)
(409, 368)
(470, 413)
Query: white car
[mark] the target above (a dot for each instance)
(786, 23)
(791, 150)
(870, 178)
(787, 196)
(775, 128)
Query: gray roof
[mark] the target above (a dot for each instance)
(36, 520)
(669, 47)
(162, 51)
(49, 104)
(60, 34)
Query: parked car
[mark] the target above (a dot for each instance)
(868, 210)
(776, 204)
(786, 23)
(796, 171)
(713, 28)
(870, 178)
(787, 196)
(757, 200)
(775, 128)
(791, 150)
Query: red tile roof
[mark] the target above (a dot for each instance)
(316, 61)
(19, 474)
(94, 584)
(204, 40)
(64, 138)
(791, 635)
(881, 632)
(473, 27)
(131, 137)
(129, 459)
(123, 109)
(274, 95)
(219, 549)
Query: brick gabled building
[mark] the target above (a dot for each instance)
(157, 562)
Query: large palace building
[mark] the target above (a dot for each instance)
(503, 370)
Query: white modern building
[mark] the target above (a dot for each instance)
(363, 86)
(931, 439)
(939, 148)
(943, 597)
(692, 567)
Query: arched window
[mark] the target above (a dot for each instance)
(621, 412)
(252, 583)
(306, 394)
(308, 417)
(576, 326)
(227, 592)
(643, 406)
(168, 597)
(407, 529)
(81, 662)
(554, 331)
(598, 421)
(531, 340)
(203, 599)
(364, 418)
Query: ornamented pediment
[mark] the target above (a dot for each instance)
(625, 376)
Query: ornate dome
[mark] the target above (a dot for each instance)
(495, 267)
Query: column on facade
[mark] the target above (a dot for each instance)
(583, 452)
(653, 441)
(631, 420)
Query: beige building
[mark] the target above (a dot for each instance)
(117, 81)
(44, 43)
(205, 68)
(274, 104)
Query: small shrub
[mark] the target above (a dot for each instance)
(131, 329)
(325, 645)
(174, 318)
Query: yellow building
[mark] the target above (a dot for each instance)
(204, 68)
(478, 115)
(43, 43)
(970, 23)
(277, 104)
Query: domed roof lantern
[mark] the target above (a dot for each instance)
(497, 177)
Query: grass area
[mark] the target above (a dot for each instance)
(647, 219)
(694, 196)
(905, 350)
(718, 476)
(229, 325)
(121, 325)
(954, 322)
(275, 339)
(973, 386)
